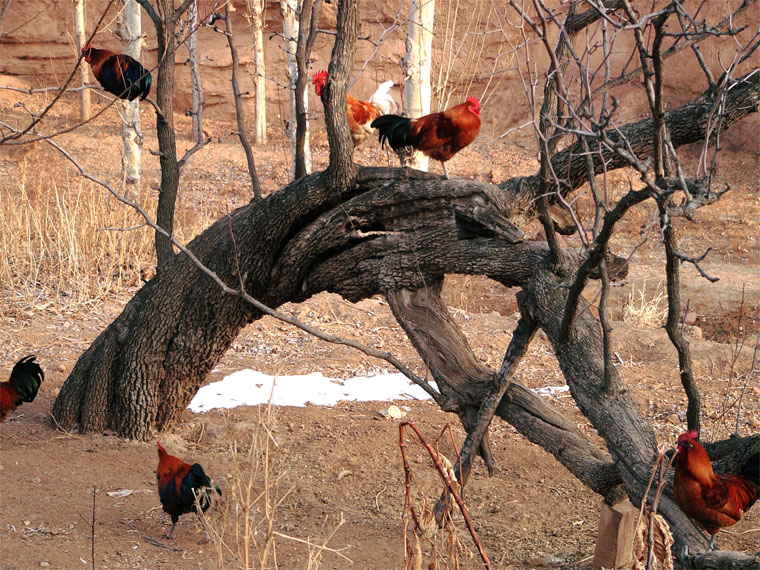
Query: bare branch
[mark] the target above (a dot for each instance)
(239, 112)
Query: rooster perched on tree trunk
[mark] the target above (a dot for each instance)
(438, 135)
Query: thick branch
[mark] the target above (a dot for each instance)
(687, 124)
(342, 170)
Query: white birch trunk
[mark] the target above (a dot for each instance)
(259, 72)
(195, 73)
(130, 31)
(84, 72)
(290, 10)
(417, 66)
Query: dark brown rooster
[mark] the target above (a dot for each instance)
(179, 483)
(118, 73)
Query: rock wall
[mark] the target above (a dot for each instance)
(37, 49)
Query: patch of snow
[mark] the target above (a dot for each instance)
(249, 388)
(552, 390)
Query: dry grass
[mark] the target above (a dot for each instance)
(243, 526)
(644, 309)
(67, 243)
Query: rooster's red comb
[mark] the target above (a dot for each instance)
(319, 77)
(689, 435)
(473, 100)
(160, 447)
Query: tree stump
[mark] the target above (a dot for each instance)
(614, 542)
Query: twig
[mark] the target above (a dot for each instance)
(695, 262)
(752, 371)
(255, 184)
(450, 485)
(154, 542)
(92, 529)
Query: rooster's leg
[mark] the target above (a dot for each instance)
(445, 172)
(171, 531)
(205, 528)
(711, 543)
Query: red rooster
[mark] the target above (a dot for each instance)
(118, 73)
(22, 386)
(713, 501)
(178, 485)
(438, 135)
(361, 113)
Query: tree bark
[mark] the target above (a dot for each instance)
(417, 67)
(300, 156)
(165, 18)
(259, 66)
(130, 31)
(239, 112)
(195, 72)
(79, 31)
(307, 31)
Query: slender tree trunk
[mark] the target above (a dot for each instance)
(130, 31)
(259, 71)
(79, 31)
(195, 72)
(165, 17)
(308, 21)
(290, 10)
(239, 111)
(417, 67)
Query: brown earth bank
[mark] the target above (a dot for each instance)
(473, 55)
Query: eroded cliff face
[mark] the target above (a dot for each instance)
(37, 48)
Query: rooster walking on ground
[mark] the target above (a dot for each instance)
(179, 484)
(22, 386)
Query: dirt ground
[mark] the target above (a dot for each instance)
(344, 461)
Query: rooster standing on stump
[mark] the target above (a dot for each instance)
(22, 386)
(713, 501)
(438, 135)
(118, 73)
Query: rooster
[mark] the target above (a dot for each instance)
(438, 135)
(118, 73)
(22, 386)
(361, 113)
(179, 484)
(713, 501)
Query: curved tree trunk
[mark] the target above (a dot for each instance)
(361, 232)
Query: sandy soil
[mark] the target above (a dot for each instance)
(345, 461)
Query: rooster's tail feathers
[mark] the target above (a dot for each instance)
(26, 377)
(396, 130)
(751, 469)
(383, 99)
